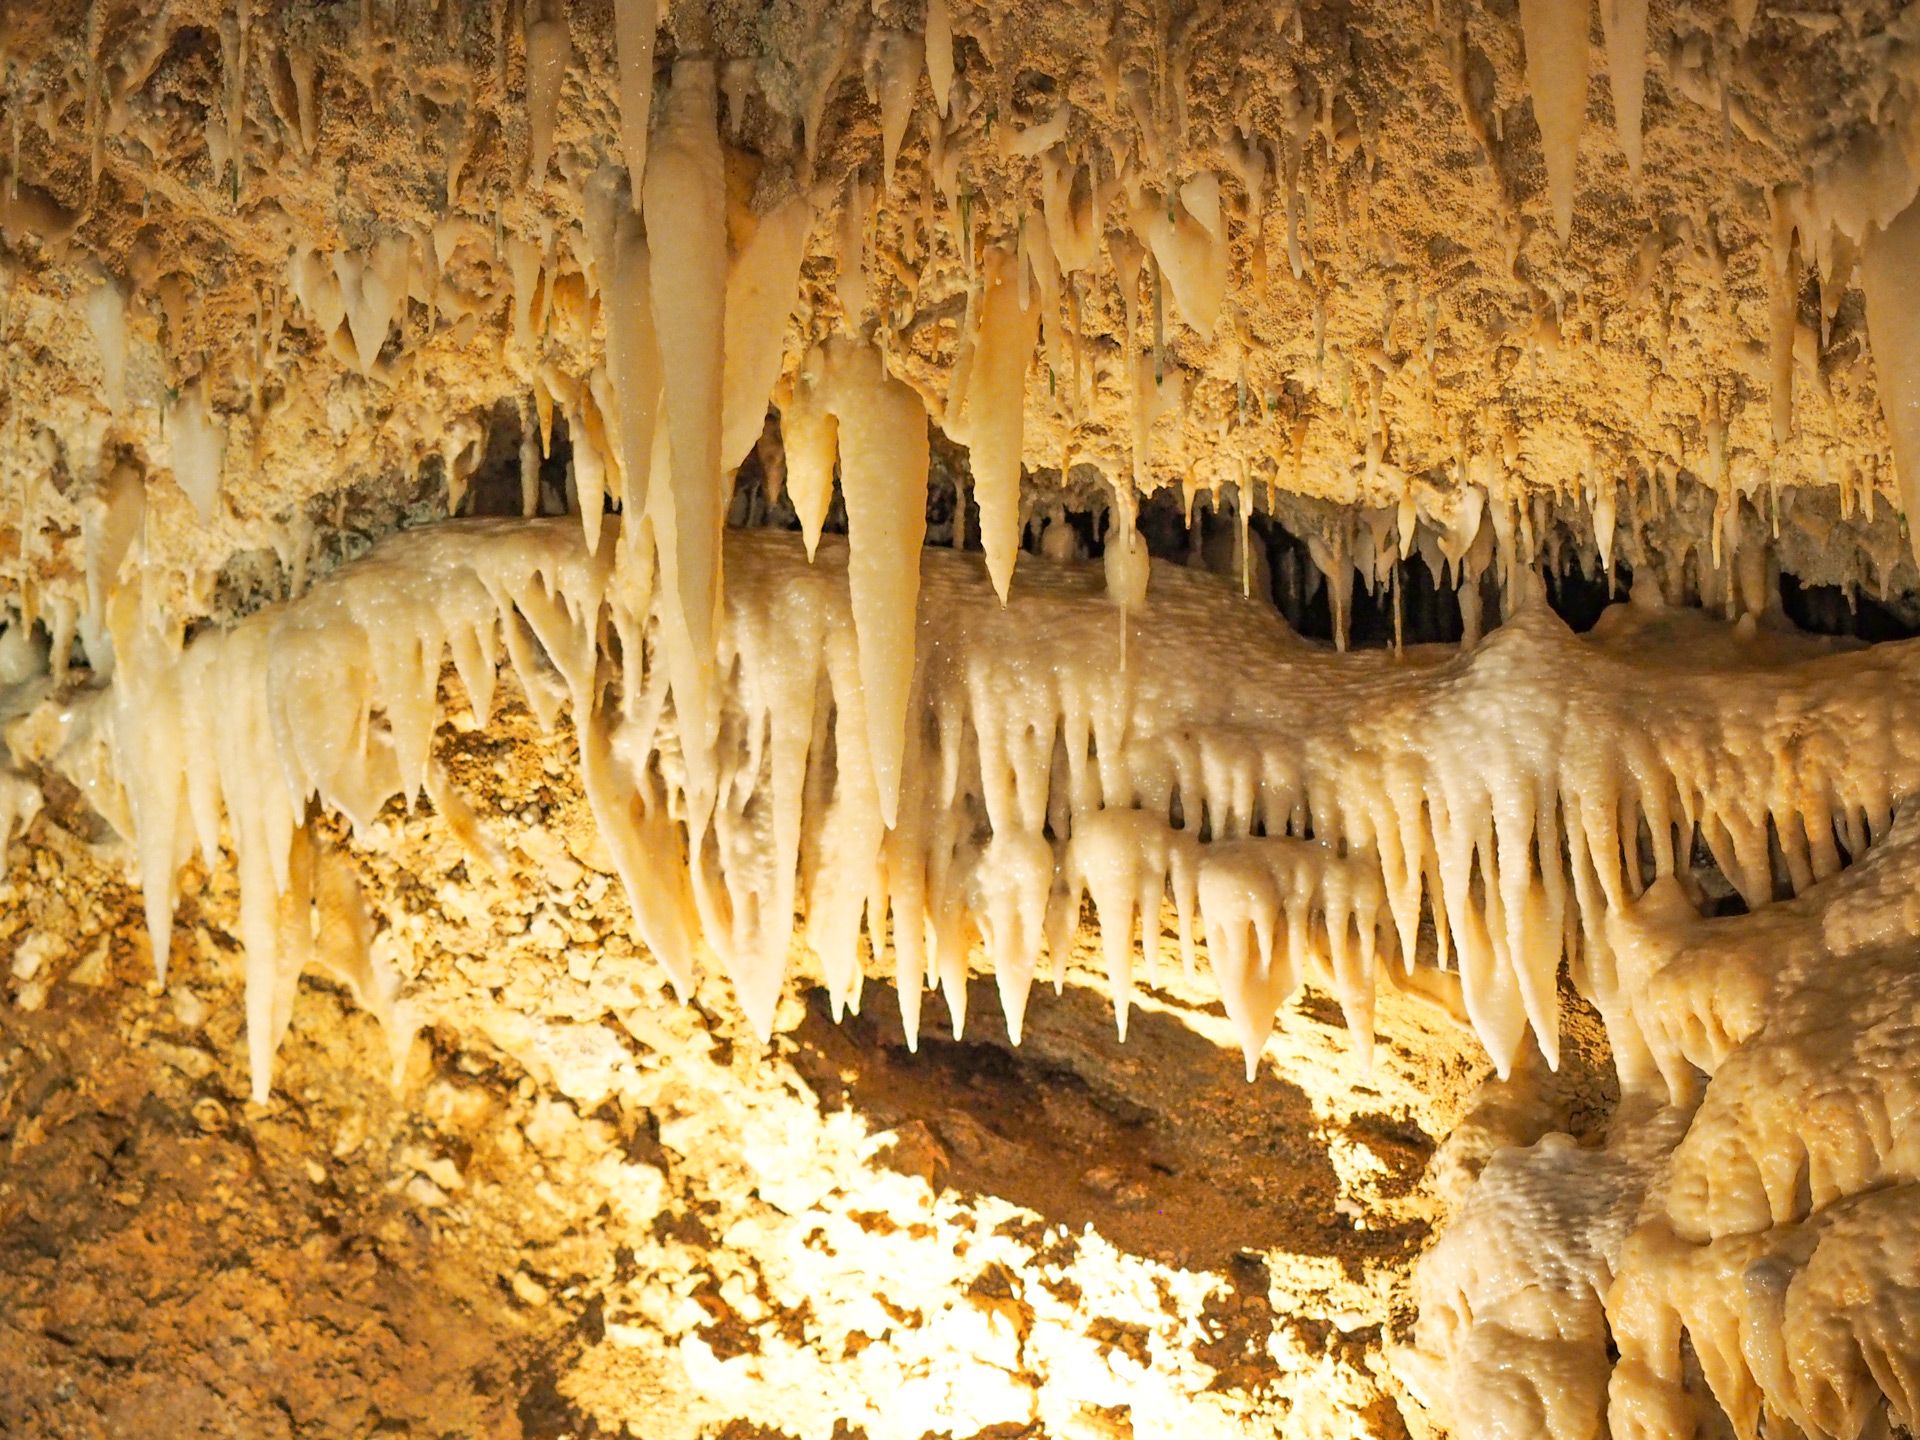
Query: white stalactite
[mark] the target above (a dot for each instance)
(1887, 270)
(993, 414)
(549, 53)
(939, 43)
(687, 233)
(635, 27)
(106, 311)
(882, 432)
(1555, 32)
(1343, 797)
(894, 75)
(633, 365)
(810, 439)
(197, 447)
(1624, 24)
(762, 288)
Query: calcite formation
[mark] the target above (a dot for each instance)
(1353, 500)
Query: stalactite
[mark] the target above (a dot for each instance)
(993, 411)
(635, 25)
(1556, 46)
(686, 227)
(549, 53)
(1886, 270)
(1355, 774)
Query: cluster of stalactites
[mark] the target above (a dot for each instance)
(969, 780)
(1743, 1255)
(715, 284)
(658, 260)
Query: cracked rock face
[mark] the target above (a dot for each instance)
(506, 937)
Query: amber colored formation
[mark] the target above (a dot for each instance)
(1407, 509)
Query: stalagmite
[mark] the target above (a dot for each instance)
(1512, 1338)
(1555, 32)
(533, 438)
(1752, 1193)
(635, 26)
(1887, 269)
(687, 233)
